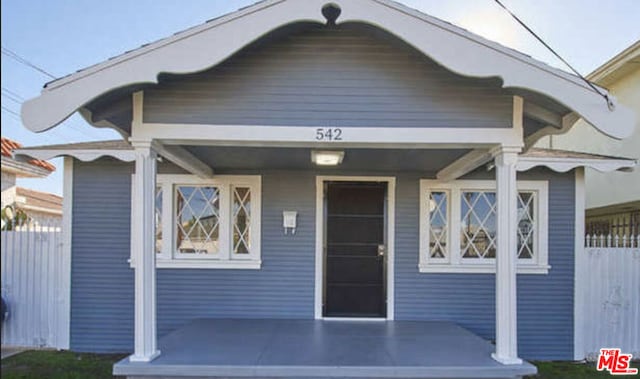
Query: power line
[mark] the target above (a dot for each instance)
(12, 98)
(11, 111)
(13, 55)
(15, 115)
(594, 88)
(78, 129)
(17, 96)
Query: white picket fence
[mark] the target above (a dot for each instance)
(611, 241)
(33, 287)
(608, 290)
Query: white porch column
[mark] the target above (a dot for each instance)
(143, 254)
(506, 257)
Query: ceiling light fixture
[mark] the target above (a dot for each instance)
(327, 158)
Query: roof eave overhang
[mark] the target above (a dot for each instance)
(452, 47)
(23, 169)
(85, 155)
(567, 164)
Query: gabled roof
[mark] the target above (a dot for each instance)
(207, 45)
(39, 167)
(622, 64)
(32, 200)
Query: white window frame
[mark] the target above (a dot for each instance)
(169, 257)
(453, 261)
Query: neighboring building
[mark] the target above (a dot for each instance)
(324, 168)
(613, 198)
(38, 207)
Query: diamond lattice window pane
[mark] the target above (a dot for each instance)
(526, 222)
(158, 219)
(478, 225)
(438, 224)
(197, 219)
(241, 220)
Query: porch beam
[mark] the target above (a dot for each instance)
(114, 109)
(176, 154)
(568, 121)
(464, 165)
(184, 159)
(506, 159)
(143, 246)
(541, 114)
(318, 136)
(479, 157)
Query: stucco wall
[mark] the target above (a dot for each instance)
(8, 188)
(605, 189)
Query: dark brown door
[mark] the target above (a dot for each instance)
(355, 249)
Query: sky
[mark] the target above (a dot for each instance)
(63, 36)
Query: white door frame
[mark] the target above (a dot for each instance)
(391, 204)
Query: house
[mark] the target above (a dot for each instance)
(40, 208)
(613, 198)
(325, 189)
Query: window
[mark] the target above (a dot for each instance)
(158, 219)
(458, 226)
(197, 220)
(208, 223)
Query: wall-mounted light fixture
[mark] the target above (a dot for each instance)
(327, 158)
(289, 221)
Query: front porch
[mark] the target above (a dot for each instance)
(323, 348)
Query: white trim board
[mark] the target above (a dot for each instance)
(86, 155)
(277, 135)
(578, 287)
(64, 292)
(566, 164)
(319, 265)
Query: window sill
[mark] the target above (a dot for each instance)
(479, 269)
(206, 264)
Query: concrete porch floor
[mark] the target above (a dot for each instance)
(313, 348)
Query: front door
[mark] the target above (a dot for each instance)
(355, 251)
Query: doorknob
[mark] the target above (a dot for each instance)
(381, 250)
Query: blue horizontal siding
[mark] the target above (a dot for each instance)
(102, 287)
(102, 297)
(282, 288)
(350, 75)
(545, 302)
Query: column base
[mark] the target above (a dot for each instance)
(139, 358)
(507, 360)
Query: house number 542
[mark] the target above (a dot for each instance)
(329, 134)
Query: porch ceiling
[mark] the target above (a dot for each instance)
(259, 158)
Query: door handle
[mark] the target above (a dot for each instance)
(381, 250)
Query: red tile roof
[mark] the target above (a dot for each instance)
(8, 146)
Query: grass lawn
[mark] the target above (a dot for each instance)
(59, 365)
(67, 365)
(571, 370)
